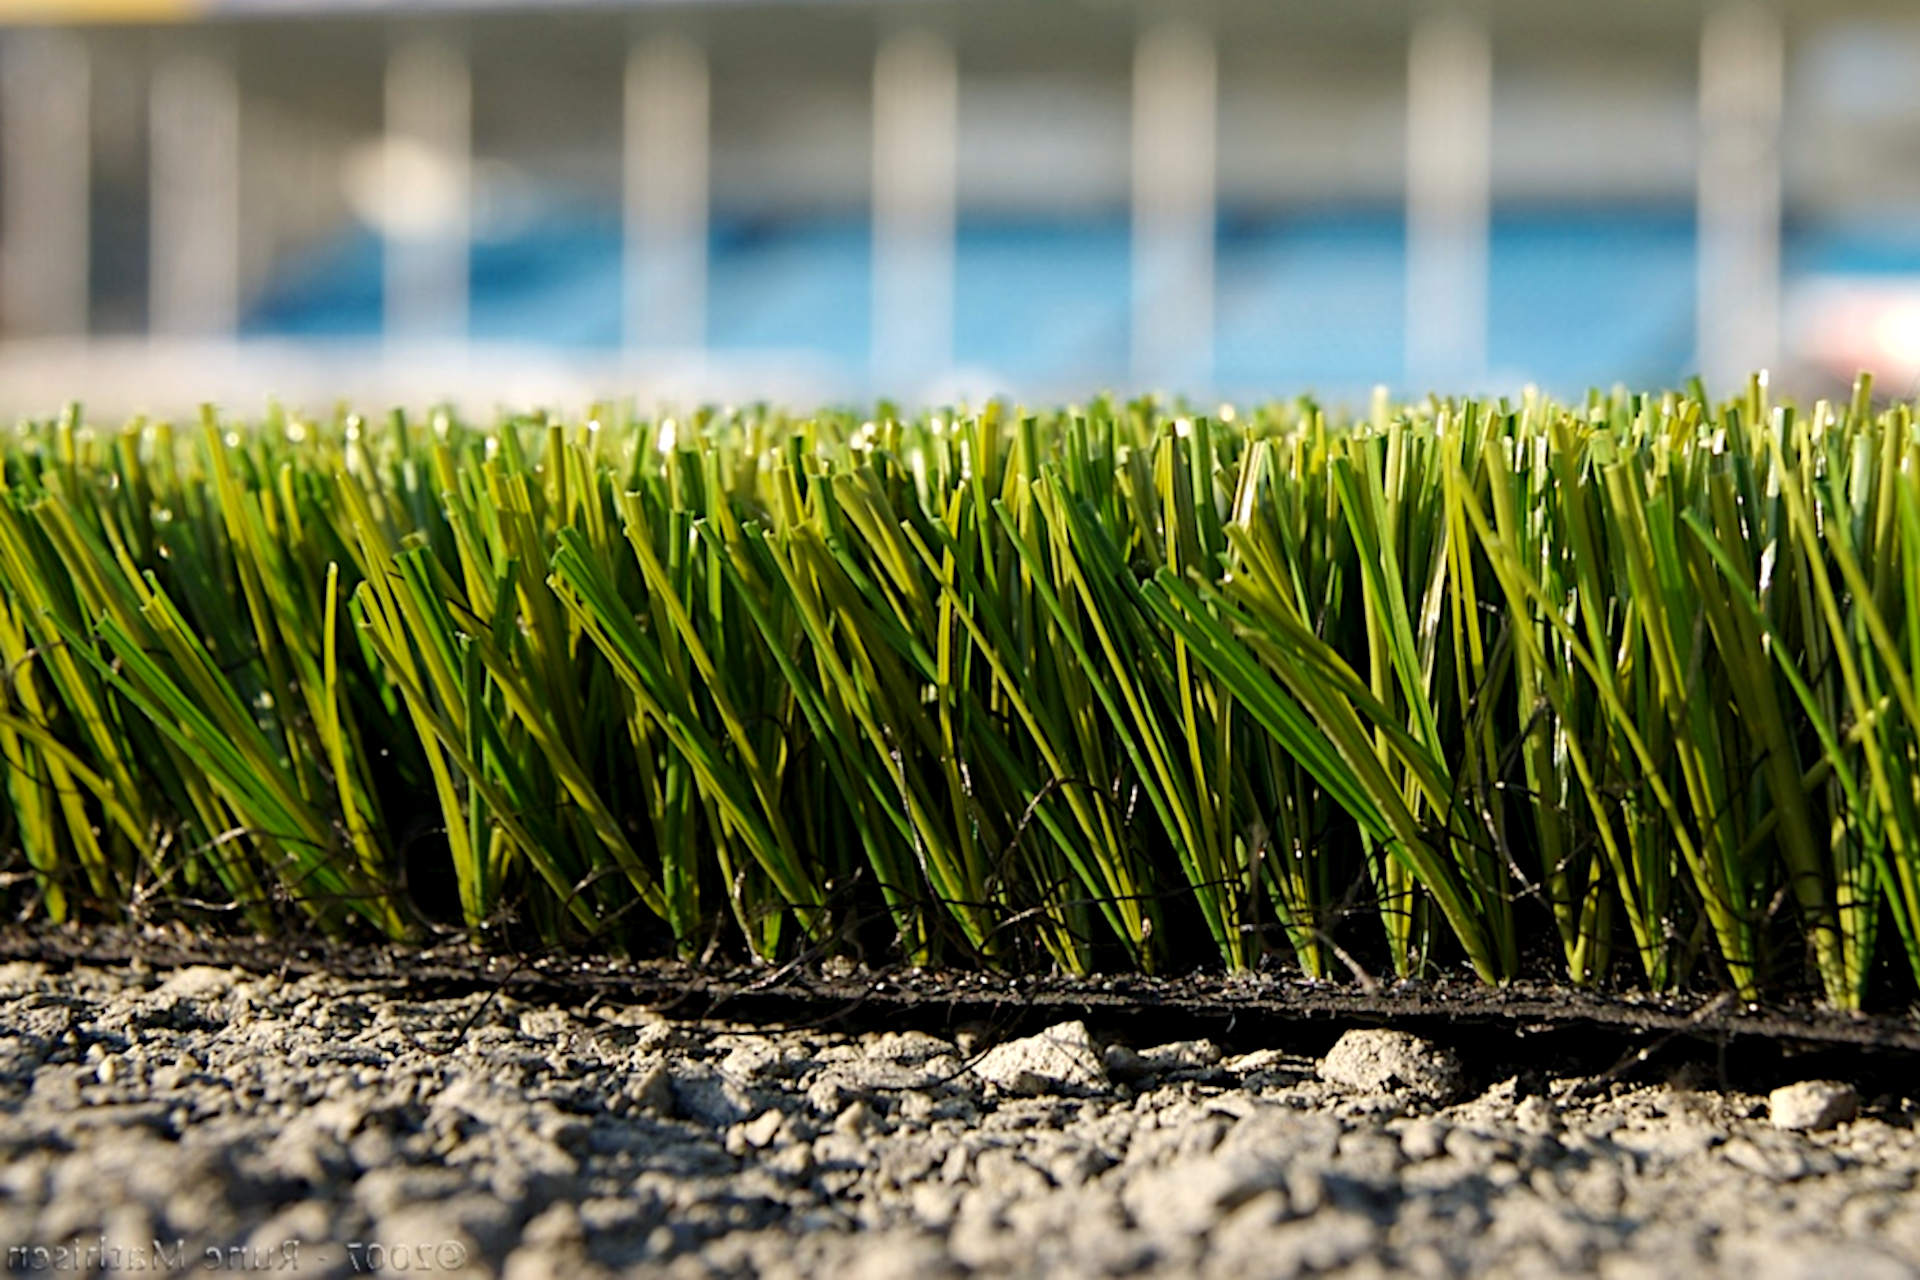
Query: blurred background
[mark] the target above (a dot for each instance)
(837, 199)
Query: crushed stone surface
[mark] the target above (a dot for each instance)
(319, 1127)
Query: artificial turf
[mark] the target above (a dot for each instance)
(1619, 691)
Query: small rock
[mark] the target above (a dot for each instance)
(1423, 1139)
(1537, 1115)
(827, 1097)
(934, 1206)
(791, 1163)
(709, 1098)
(1182, 1055)
(763, 1129)
(1125, 1064)
(279, 1238)
(755, 1135)
(752, 1060)
(1370, 1154)
(1478, 1149)
(857, 1118)
(1190, 1196)
(1061, 1059)
(457, 1233)
(1777, 1164)
(651, 1088)
(1265, 1066)
(1378, 1061)
(1282, 1133)
(903, 1255)
(956, 1167)
(544, 1024)
(910, 1047)
(557, 1224)
(1812, 1104)
(196, 982)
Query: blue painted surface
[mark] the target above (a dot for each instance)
(1043, 302)
(790, 287)
(1310, 301)
(329, 291)
(558, 284)
(1592, 298)
(1875, 247)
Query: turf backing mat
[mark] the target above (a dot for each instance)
(1512, 1027)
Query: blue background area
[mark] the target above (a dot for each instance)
(1308, 301)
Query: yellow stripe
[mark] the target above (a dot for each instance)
(54, 11)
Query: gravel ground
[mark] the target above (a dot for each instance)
(208, 1119)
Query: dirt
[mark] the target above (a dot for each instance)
(219, 1119)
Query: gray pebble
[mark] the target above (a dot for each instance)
(1379, 1061)
(1812, 1104)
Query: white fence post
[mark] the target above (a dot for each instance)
(1449, 201)
(664, 257)
(1742, 88)
(193, 284)
(1175, 112)
(45, 182)
(428, 158)
(916, 109)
